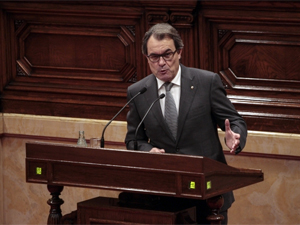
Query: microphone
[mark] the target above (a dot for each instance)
(142, 91)
(135, 141)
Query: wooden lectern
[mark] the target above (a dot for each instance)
(135, 172)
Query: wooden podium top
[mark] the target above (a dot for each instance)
(133, 171)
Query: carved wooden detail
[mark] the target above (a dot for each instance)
(92, 54)
(222, 33)
(131, 29)
(158, 17)
(18, 23)
(77, 59)
(20, 70)
(175, 18)
(259, 66)
(181, 18)
(248, 59)
(264, 72)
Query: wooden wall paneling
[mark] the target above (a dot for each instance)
(203, 39)
(100, 54)
(71, 68)
(60, 57)
(78, 58)
(257, 55)
(190, 56)
(5, 50)
(2, 52)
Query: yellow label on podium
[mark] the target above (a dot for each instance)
(208, 185)
(192, 185)
(38, 170)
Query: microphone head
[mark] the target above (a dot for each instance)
(143, 90)
(162, 96)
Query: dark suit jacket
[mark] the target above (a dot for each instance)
(203, 107)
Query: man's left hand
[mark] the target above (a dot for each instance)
(232, 140)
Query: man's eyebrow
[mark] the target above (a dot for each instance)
(168, 50)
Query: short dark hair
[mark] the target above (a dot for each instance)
(159, 32)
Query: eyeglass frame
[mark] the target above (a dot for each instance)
(162, 55)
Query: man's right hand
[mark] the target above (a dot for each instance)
(157, 150)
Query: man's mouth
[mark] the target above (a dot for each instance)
(163, 71)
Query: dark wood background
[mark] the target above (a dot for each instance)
(77, 58)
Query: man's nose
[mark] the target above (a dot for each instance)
(161, 61)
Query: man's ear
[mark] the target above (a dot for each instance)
(179, 53)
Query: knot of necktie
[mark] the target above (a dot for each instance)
(168, 86)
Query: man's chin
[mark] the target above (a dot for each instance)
(165, 77)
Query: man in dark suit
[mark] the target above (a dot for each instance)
(201, 106)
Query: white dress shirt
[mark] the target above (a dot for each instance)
(175, 91)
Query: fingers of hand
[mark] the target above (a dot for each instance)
(235, 145)
(227, 125)
(157, 150)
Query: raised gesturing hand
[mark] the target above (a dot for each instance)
(232, 140)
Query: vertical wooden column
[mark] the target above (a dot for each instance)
(55, 202)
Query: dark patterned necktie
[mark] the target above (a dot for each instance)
(170, 110)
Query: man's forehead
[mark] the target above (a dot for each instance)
(160, 46)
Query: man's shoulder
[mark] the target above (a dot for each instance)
(142, 83)
(197, 72)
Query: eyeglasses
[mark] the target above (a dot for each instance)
(167, 56)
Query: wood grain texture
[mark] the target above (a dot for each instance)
(76, 59)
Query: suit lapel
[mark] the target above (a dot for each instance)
(151, 96)
(188, 90)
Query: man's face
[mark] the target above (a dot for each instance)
(162, 69)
